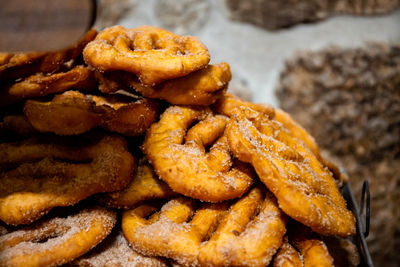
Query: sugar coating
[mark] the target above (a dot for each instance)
(48, 175)
(115, 251)
(180, 155)
(312, 249)
(49, 242)
(73, 113)
(248, 232)
(305, 189)
(145, 185)
(288, 256)
(157, 54)
(202, 87)
(43, 84)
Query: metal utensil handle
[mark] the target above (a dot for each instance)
(365, 214)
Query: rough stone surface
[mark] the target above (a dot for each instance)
(350, 102)
(109, 12)
(276, 14)
(182, 17)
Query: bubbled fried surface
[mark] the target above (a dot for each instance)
(57, 240)
(79, 77)
(38, 174)
(74, 113)
(145, 185)
(20, 65)
(180, 158)
(151, 53)
(202, 87)
(115, 251)
(287, 256)
(305, 190)
(246, 233)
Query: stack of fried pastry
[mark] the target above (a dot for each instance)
(126, 150)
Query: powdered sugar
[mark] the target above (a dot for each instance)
(304, 188)
(51, 236)
(115, 251)
(187, 167)
(32, 189)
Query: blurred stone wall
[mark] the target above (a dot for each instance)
(276, 14)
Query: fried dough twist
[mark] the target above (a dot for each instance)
(314, 253)
(20, 65)
(80, 77)
(74, 113)
(202, 87)
(312, 249)
(303, 248)
(248, 233)
(57, 240)
(226, 104)
(114, 251)
(305, 190)
(39, 174)
(145, 185)
(287, 256)
(187, 167)
(151, 53)
(16, 125)
(297, 131)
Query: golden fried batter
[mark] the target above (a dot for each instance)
(21, 65)
(145, 185)
(40, 84)
(180, 158)
(151, 53)
(16, 124)
(57, 240)
(228, 102)
(305, 190)
(114, 251)
(41, 173)
(202, 87)
(248, 233)
(301, 134)
(74, 113)
(243, 239)
(287, 256)
(312, 249)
